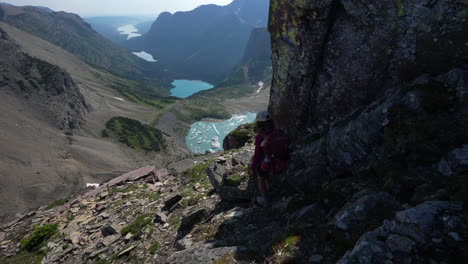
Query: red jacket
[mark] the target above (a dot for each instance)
(258, 154)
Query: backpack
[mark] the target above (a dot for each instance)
(276, 149)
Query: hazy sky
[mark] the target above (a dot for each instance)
(118, 7)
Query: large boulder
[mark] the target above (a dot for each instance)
(427, 233)
(332, 57)
(232, 183)
(413, 127)
(365, 211)
(239, 137)
(202, 253)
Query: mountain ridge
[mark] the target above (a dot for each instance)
(217, 37)
(73, 34)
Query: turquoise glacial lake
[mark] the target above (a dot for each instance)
(185, 88)
(208, 136)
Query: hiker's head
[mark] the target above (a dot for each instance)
(264, 121)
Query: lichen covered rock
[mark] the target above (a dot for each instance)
(331, 57)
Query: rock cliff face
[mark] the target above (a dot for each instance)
(48, 88)
(332, 56)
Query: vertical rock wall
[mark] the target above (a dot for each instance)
(331, 57)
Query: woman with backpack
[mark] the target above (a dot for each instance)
(271, 154)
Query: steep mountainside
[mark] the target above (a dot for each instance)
(255, 65)
(205, 43)
(53, 109)
(380, 178)
(70, 32)
(252, 74)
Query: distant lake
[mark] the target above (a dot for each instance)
(145, 56)
(185, 88)
(130, 30)
(207, 136)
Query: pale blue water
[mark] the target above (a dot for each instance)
(203, 136)
(185, 88)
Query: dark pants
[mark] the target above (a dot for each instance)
(261, 173)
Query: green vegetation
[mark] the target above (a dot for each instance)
(25, 257)
(286, 249)
(234, 180)
(190, 177)
(47, 70)
(196, 109)
(154, 247)
(197, 174)
(150, 195)
(175, 219)
(244, 133)
(39, 236)
(102, 261)
(138, 224)
(57, 203)
(134, 134)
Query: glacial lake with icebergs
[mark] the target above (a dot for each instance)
(209, 136)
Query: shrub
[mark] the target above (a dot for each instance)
(40, 235)
(134, 134)
(154, 247)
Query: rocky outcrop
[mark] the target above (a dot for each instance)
(239, 137)
(229, 177)
(331, 57)
(46, 86)
(419, 125)
(423, 234)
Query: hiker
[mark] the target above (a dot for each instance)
(271, 154)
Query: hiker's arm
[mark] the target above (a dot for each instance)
(257, 157)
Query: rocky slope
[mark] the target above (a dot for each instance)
(42, 84)
(53, 109)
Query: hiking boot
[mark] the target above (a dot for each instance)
(263, 201)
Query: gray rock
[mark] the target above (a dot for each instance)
(455, 236)
(455, 162)
(160, 218)
(2, 236)
(400, 243)
(108, 230)
(171, 201)
(98, 252)
(184, 243)
(205, 253)
(126, 251)
(313, 211)
(109, 240)
(315, 259)
(423, 215)
(217, 173)
(408, 235)
(191, 218)
(104, 215)
(368, 208)
(311, 87)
